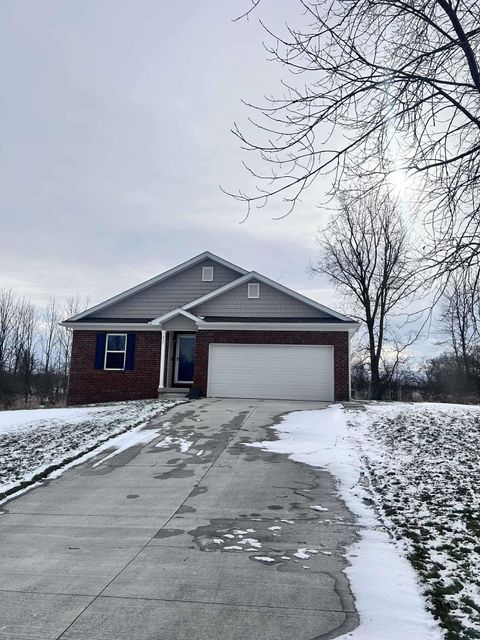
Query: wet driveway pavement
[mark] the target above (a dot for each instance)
(194, 539)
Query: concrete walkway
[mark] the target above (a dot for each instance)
(129, 550)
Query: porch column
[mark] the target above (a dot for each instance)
(161, 384)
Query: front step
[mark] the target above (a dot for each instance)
(173, 392)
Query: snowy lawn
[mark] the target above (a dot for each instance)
(38, 442)
(422, 462)
(411, 475)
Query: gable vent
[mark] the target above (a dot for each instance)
(253, 290)
(207, 274)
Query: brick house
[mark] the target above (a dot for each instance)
(210, 327)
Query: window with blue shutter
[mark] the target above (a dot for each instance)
(100, 351)
(130, 357)
(115, 351)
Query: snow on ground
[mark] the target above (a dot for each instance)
(423, 466)
(385, 585)
(45, 441)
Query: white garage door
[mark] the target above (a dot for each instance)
(288, 372)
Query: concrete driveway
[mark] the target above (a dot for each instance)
(137, 547)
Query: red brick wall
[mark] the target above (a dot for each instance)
(339, 340)
(88, 384)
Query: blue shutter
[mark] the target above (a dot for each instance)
(100, 351)
(130, 357)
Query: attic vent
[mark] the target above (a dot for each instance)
(207, 274)
(253, 290)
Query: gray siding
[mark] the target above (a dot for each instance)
(171, 293)
(179, 323)
(272, 303)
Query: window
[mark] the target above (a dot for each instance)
(115, 351)
(207, 274)
(253, 290)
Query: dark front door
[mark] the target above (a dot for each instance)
(185, 357)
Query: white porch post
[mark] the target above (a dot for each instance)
(161, 383)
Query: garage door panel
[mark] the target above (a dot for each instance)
(302, 372)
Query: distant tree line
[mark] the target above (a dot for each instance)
(452, 376)
(34, 351)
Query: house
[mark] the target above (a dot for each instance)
(215, 329)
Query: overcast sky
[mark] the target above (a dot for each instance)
(116, 120)
(115, 136)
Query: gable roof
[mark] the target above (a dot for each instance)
(173, 314)
(253, 275)
(152, 281)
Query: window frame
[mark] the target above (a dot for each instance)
(107, 351)
(206, 270)
(249, 295)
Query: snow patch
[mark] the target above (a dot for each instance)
(183, 444)
(301, 554)
(264, 559)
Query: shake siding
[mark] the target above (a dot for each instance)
(272, 303)
(179, 323)
(171, 293)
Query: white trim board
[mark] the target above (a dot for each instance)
(163, 276)
(278, 326)
(173, 314)
(109, 326)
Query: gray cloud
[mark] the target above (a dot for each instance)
(115, 136)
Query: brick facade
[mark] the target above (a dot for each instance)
(88, 384)
(339, 340)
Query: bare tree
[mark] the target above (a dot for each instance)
(72, 306)
(459, 321)
(380, 87)
(50, 334)
(24, 345)
(365, 252)
(34, 349)
(7, 324)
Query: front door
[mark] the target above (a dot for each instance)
(185, 356)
